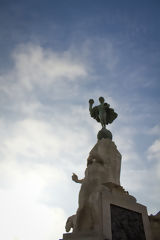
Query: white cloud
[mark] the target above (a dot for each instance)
(154, 156)
(25, 218)
(155, 130)
(22, 209)
(34, 65)
(143, 184)
(39, 139)
(38, 157)
(38, 73)
(124, 138)
(154, 149)
(134, 179)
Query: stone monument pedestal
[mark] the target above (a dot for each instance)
(83, 236)
(120, 218)
(124, 218)
(106, 211)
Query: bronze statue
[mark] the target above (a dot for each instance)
(103, 114)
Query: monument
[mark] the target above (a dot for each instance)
(106, 211)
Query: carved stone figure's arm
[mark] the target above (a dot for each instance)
(75, 178)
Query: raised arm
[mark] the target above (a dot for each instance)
(75, 178)
(91, 101)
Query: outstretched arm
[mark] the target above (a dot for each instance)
(91, 101)
(75, 178)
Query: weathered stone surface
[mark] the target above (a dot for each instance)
(100, 189)
(155, 225)
(102, 172)
(70, 224)
(128, 203)
(105, 151)
(83, 236)
(126, 224)
(87, 216)
(104, 227)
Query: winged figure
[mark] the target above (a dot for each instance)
(102, 113)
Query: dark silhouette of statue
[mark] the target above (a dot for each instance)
(103, 114)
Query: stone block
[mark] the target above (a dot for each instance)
(83, 236)
(106, 152)
(123, 218)
(120, 218)
(155, 225)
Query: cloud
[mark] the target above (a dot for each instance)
(23, 210)
(38, 157)
(44, 139)
(141, 174)
(42, 142)
(154, 150)
(139, 170)
(154, 156)
(155, 130)
(124, 139)
(143, 184)
(38, 73)
(34, 65)
(25, 189)
(33, 173)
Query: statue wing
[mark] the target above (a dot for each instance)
(111, 115)
(95, 113)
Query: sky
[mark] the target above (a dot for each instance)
(55, 56)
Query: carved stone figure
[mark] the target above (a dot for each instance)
(70, 223)
(102, 173)
(88, 215)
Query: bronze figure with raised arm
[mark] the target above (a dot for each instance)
(103, 114)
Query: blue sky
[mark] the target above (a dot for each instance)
(55, 56)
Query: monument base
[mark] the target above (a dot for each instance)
(83, 236)
(120, 218)
(124, 218)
